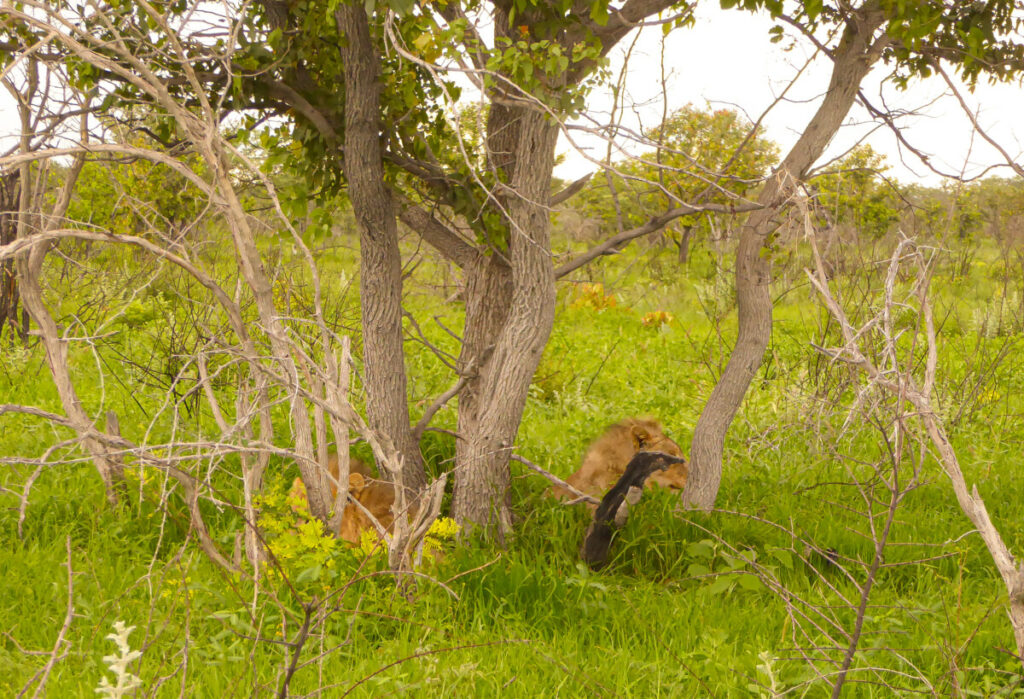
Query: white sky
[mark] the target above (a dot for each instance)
(726, 60)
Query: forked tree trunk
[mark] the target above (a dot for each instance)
(488, 294)
(380, 279)
(857, 52)
(482, 473)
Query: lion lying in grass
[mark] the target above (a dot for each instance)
(376, 495)
(607, 457)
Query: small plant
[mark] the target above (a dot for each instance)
(998, 317)
(443, 529)
(592, 296)
(656, 319)
(126, 681)
(296, 538)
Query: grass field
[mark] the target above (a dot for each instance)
(756, 599)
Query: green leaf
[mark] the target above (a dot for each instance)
(784, 557)
(701, 549)
(751, 582)
(310, 574)
(697, 569)
(599, 12)
(722, 585)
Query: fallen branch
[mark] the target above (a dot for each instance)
(580, 495)
(613, 511)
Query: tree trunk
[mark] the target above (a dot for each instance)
(380, 281)
(482, 471)
(10, 197)
(857, 52)
(488, 294)
(684, 244)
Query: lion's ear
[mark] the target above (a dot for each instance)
(356, 483)
(640, 436)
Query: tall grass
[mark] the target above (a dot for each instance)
(678, 612)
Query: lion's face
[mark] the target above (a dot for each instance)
(372, 493)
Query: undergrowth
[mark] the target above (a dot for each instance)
(687, 605)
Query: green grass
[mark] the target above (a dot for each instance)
(676, 613)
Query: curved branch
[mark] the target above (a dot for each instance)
(437, 234)
(656, 223)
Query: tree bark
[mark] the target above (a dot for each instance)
(488, 294)
(380, 280)
(684, 244)
(480, 499)
(9, 203)
(858, 50)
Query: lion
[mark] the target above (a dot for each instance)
(607, 457)
(374, 494)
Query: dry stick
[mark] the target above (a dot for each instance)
(423, 654)
(29, 267)
(57, 356)
(1016, 167)
(797, 607)
(295, 648)
(222, 195)
(868, 584)
(336, 387)
(441, 401)
(580, 495)
(116, 463)
(970, 501)
(27, 488)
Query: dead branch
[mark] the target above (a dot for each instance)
(580, 496)
(903, 384)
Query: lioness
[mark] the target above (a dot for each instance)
(374, 494)
(607, 457)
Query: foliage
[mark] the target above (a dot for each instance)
(592, 296)
(138, 197)
(978, 39)
(854, 193)
(703, 157)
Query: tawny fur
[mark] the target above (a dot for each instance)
(608, 456)
(374, 494)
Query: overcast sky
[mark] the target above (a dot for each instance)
(726, 60)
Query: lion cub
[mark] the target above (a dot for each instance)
(607, 457)
(374, 494)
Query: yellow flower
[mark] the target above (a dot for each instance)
(443, 528)
(592, 296)
(657, 319)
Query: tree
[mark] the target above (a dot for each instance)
(10, 194)
(852, 193)
(366, 98)
(700, 156)
(533, 74)
(369, 100)
(914, 38)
